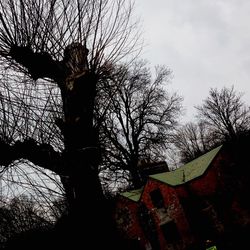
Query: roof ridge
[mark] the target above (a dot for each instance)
(190, 170)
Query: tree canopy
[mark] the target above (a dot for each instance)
(140, 117)
(222, 117)
(225, 113)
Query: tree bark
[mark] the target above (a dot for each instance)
(82, 186)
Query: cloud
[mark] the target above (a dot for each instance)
(205, 42)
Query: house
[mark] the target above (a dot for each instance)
(186, 207)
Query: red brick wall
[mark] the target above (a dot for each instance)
(209, 182)
(131, 228)
(174, 210)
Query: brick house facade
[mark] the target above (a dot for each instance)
(184, 208)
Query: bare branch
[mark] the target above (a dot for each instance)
(140, 116)
(225, 113)
(36, 33)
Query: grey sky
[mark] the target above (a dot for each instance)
(205, 42)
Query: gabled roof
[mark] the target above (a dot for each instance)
(189, 171)
(133, 195)
(185, 173)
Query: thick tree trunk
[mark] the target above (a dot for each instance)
(89, 221)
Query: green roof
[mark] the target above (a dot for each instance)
(189, 171)
(133, 195)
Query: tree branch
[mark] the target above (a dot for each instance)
(42, 155)
(39, 65)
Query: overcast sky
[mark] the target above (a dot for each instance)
(205, 42)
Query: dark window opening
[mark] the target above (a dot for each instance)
(157, 198)
(148, 226)
(170, 232)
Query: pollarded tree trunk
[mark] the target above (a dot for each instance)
(87, 212)
(33, 38)
(89, 220)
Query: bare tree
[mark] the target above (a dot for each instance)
(225, 113)
(70, 45)
(140, 116)
(223, 116)
(19, 215)
(192, 140)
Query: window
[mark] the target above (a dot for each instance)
(157, 198)
(170, 232)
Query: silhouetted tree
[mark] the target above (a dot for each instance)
(224, 113)
(67, 45)
(222, 117)
(20, 215)
(140, 117)
(192, 140)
